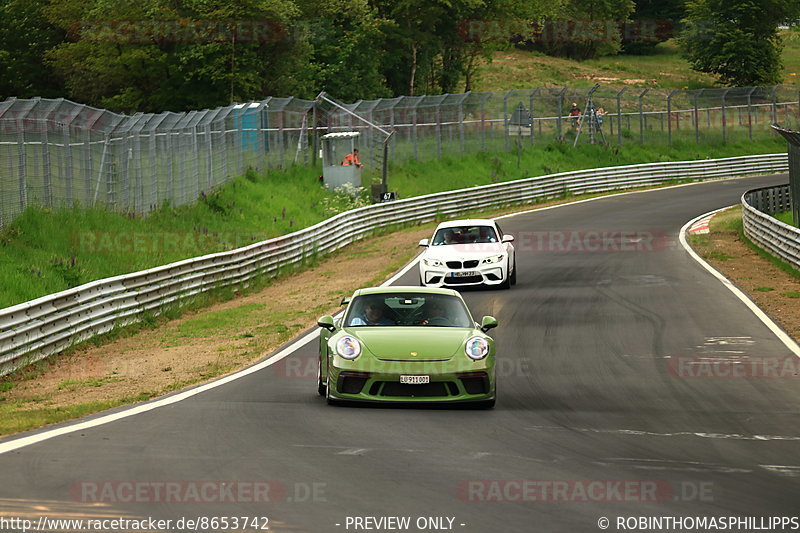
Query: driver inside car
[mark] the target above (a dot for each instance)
(373, 316)
(435, 314)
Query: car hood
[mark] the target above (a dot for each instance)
(465, 251)
(412, 343)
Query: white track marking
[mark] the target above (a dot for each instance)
(44, 435)
(699, 434)
(15, 444)
(786, 339)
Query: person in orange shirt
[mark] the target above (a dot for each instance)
(352, 159)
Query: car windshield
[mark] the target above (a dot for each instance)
(465, 235)
(408, 309)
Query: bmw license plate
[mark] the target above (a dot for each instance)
(463, 274)
(415, 380)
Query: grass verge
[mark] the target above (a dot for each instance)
(771, 283)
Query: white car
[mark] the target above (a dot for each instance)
(468, 252)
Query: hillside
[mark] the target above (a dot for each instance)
(520, 69)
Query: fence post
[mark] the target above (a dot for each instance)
(89, 168)
(533, 132)
(210, 157)
(619, 115)
(23, 168)
(775, 104)
(414, 129)
(314, 139)
(642, 123)
(483, 123)
(505, 120)
(68, 165)
(48, 196)
(461, 121)
(438, 112)
(669, 116)
(695, 97)
(750, 113)
(724, 118)
(559, 112)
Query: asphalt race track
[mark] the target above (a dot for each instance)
(598, 410)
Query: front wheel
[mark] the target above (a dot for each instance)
(330, 399)
(514, 274)
(322, 387)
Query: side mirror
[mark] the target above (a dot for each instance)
(488, 323)
(345, 300)
(508, 238)
(424, 242)
(326, 322)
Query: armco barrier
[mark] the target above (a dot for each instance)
(781, 240)
(33, 330)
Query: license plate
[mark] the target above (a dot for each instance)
(463, 274)
(415, 380)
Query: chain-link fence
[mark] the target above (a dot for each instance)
(432, 126)
(57, 153)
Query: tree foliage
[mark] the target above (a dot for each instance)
(24, 38)
(659, 20)
(737, 40)
(155, 55)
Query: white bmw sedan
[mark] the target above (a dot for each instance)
(468, 252)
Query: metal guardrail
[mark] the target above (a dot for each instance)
(778, 238)
(33, 330)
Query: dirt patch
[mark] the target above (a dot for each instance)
(774, 290)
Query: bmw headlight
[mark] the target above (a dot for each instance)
(348, 347)
(494, 259)
(477, 348)
(432, 262)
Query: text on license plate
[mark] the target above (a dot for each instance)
(415, 380)
(463, 274)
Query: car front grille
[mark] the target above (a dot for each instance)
(351, 382)
(461, 281)
(472, 263)
(435, 389)
(475, 383)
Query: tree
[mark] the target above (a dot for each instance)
(653, 22)
(178, 54)
(737, 40)
(24, 37)
(348, 41)
(583, 29)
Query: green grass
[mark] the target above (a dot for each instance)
(45, 251)
(665, 68)
(785, 217)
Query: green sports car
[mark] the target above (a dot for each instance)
(406, 344)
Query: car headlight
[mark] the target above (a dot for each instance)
(348, 347)
(494, 259)
(477, 348)
(432, 262)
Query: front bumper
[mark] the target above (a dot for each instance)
(379, 381)
(490, 274)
